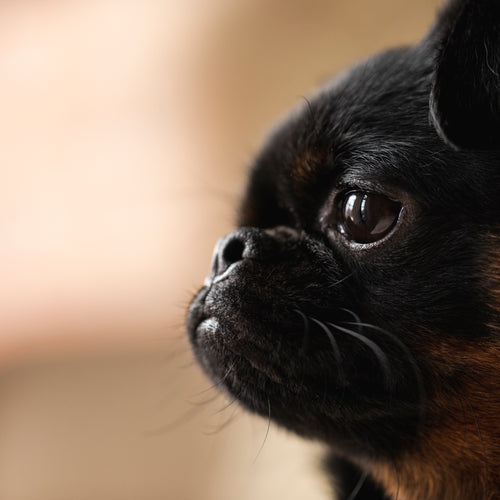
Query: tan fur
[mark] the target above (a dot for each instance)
(308, 164)
(458, 456)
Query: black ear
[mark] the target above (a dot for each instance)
(465, 98)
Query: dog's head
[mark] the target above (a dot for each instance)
(359, 301)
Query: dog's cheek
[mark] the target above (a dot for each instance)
(459, 434)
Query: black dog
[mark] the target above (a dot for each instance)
(359, 302)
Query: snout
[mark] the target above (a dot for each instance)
(248, 244)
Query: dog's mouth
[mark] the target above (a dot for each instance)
(314, 377)
(282, 337)
(223, 334)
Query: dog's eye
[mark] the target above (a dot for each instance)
(366, 217)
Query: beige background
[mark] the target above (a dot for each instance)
(125, 129)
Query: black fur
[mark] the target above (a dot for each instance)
(332, 337)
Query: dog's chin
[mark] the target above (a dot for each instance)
(277, 365)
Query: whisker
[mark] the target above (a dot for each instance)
(305, 341)
(173, 424)
(219, 427)
(267, 431)
(204, 402)
(357, 319)
(309, 107)
(226, 406)
(218, 383)
(379, 353)
(416, 370)
(359, 485)
(338, 282)
(335, 347)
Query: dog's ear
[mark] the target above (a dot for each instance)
(465, 98)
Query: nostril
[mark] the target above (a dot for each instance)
(233, 251)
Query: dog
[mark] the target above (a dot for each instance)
(358, 302)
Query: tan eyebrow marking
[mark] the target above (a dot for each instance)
(307, 166)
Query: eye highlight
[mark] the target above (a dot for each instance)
(365, 217)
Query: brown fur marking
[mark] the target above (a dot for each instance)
(458, 451)
(307, 170)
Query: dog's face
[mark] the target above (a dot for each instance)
(358, 303)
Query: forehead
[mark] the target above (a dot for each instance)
(370, 127)
(372, 119)
(371, 124)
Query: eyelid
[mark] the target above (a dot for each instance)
(354, 184)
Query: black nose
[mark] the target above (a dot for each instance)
(228, 250)
(233, 248)
(250, 243)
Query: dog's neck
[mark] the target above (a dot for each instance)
(457, 456)
(417, 478)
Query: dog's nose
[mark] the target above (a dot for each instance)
(244, 243)
(249, 243)
(228, 250)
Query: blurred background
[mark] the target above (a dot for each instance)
(125, 130)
